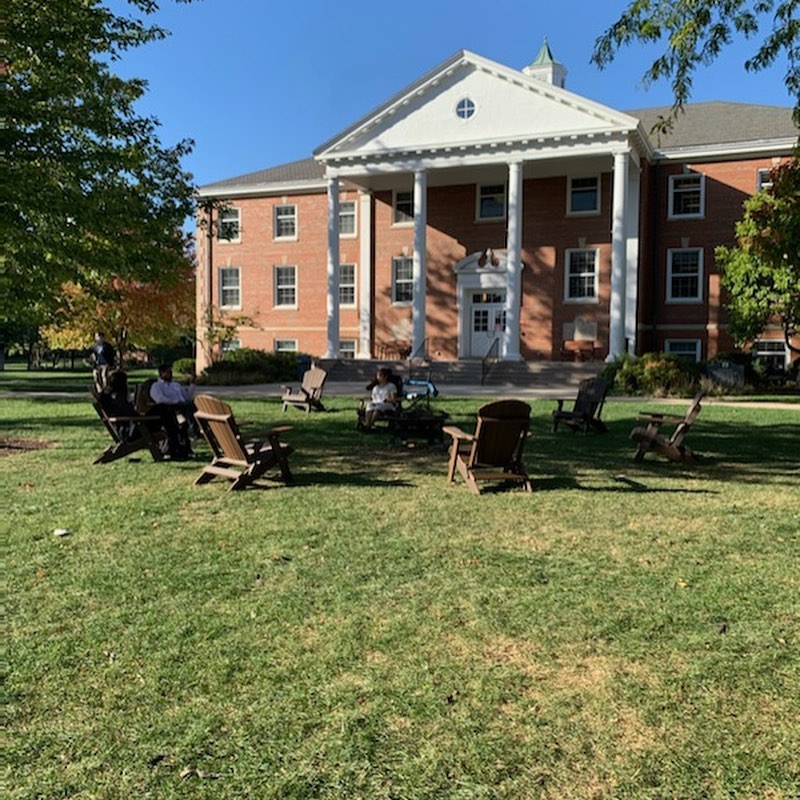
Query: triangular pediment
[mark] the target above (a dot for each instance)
(509, 106)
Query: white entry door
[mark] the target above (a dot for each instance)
(487, 321)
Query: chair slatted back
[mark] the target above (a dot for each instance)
(313, 381)
(682, 428)
(591, 396)
(500, 433)
(219, 429)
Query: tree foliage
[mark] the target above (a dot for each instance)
(89, 193)
(762, 273)
(694, 32)
(132, 314)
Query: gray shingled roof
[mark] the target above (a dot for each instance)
(306, 170)
(700, 124)
(718, 123)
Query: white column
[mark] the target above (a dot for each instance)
(616, 333)
(632, 253)
(333, 269)
(514, 251)
(420, 258)
(365, 277)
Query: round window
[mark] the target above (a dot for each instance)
(465, 108)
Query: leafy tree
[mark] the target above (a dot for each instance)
(762, 273)
(132, 314)
(89, 194)
(695, 31)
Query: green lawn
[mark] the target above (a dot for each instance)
(626, 631)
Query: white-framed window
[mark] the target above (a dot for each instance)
(347, 218)
(583, 196)
(228, 225)
(402, 280)
(285, 345)
(687, 196)
(403, 208)
(285, 286)
(347, 349)
(685, 275)
(230, 287)
(231, 345)
(685, 348)
(772, 352)
(347, 284)
(286, 222)
(763, 179)
(465, 108)
(580, 275)
(491, 201)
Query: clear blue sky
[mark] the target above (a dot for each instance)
(257, 83)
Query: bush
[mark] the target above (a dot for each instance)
(657, 374)
(248, 366)
(184, 367)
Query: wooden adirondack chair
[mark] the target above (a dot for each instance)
(129, 433)
(239, 461)
(648, 437)
(586, 409)
(494, 451)
(308, 395)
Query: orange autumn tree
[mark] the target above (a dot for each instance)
(131, 314)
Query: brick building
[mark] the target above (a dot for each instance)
(485, 209)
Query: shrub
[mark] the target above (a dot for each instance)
(247, 366)
(184, 367)
(658, 374)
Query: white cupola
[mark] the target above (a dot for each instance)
(545, 68)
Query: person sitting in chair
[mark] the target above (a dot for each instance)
(174, 403)
(384, 397)
(116, 402)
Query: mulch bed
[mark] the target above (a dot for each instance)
(10, 446)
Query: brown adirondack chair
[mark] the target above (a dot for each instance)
(494, 451)
(586, 409)
(129, 434)
(308, 395)
(242, 462)
(648, 437)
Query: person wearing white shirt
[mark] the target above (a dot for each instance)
(175, 405)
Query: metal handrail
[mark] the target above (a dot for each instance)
(490, 359)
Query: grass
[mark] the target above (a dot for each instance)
(627, 631)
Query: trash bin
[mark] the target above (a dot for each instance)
(303, 365)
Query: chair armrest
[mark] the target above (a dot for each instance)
(560, 402)
(275, 431)
(457, 433)
(646, 416)
(137, 418)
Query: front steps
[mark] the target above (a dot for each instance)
(531, 374)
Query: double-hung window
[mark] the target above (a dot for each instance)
(347, 349)
(685, 275)
(685, 348)
(583, 196)
(347, 218)
(285, 286)
(763, 180)
(580, 280)
(402, 280)
(286, 222)
(230, 287)
(347, 284)
(687, 196)
(228, 227)
(403, 208)
(285, 345)
(491, 201)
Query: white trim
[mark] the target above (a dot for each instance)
(262, 189)
(228, 268)
(594, 212)
(409, 280)
(671, 195)
(700, 293)
(292, 349)
(478, 217)
(698, 347)
(284, 306)
(567, 254)
(238, 237)
(725, 150)
(293, 237)
(762, 178)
